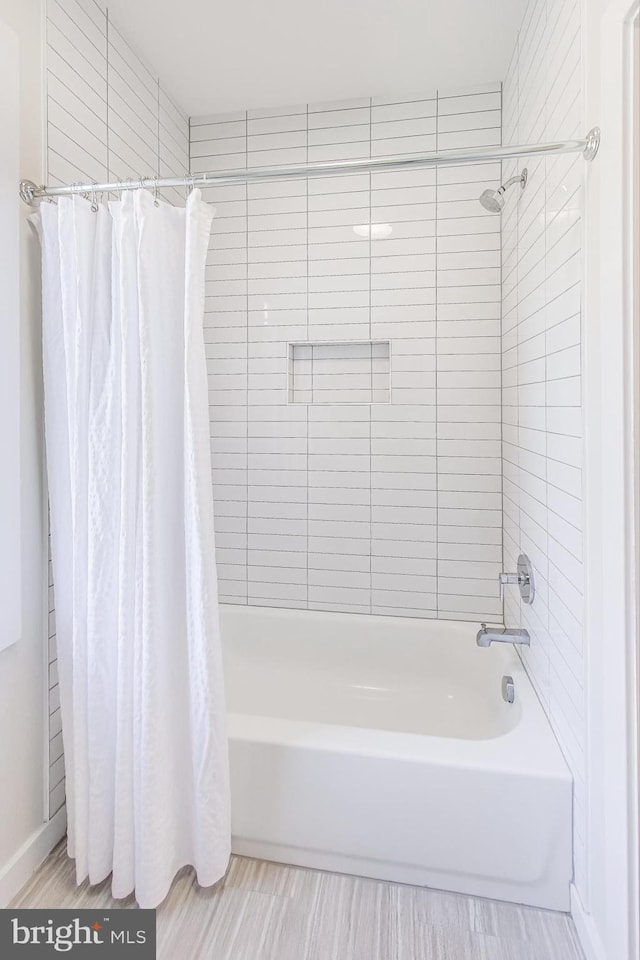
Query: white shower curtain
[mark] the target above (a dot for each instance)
(127, 437)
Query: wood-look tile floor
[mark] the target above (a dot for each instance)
(267, 911)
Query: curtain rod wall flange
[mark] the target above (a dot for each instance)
(31, 193)
(592, 144)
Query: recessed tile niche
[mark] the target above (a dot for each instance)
(340, 372)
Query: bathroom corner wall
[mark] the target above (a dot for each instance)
(353, 504)
(542, 395)
(108, 117)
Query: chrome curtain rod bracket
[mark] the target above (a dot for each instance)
(31, 193)
(592, 144)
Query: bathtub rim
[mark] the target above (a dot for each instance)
(528, 748)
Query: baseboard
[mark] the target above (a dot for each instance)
(586, 929)
(26, 861)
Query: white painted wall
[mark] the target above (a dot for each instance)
(22, 666)
(10, 606)
(608, 917)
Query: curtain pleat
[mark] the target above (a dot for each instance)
(127, 436)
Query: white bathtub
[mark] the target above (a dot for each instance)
(382, 746)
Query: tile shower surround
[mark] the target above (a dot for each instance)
(108, 114)
(541, 341)
(392, 507)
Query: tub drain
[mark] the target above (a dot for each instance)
(508, 689)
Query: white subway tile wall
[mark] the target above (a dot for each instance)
(374, 507)
(108, 118)
(542, 416)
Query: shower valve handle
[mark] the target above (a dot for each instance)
(503, 579)
(524, 579)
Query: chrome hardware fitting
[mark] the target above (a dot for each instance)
(486, 636)
(508, 689)
(587, 146)
(29, 192)
(592, 144)
(524, 579)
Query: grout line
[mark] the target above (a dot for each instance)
(502, 496)
(544, 166)
(108, 82)
(436, 345)
(158, 140)
(371, 374)
(131, 91)
(344, 142)
(76, 50)
(46, 95)
(203, 121)
(312, 351)
(246, 418)
(76, 24)
(150, 81)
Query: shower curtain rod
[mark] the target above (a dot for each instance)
(31, 193)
